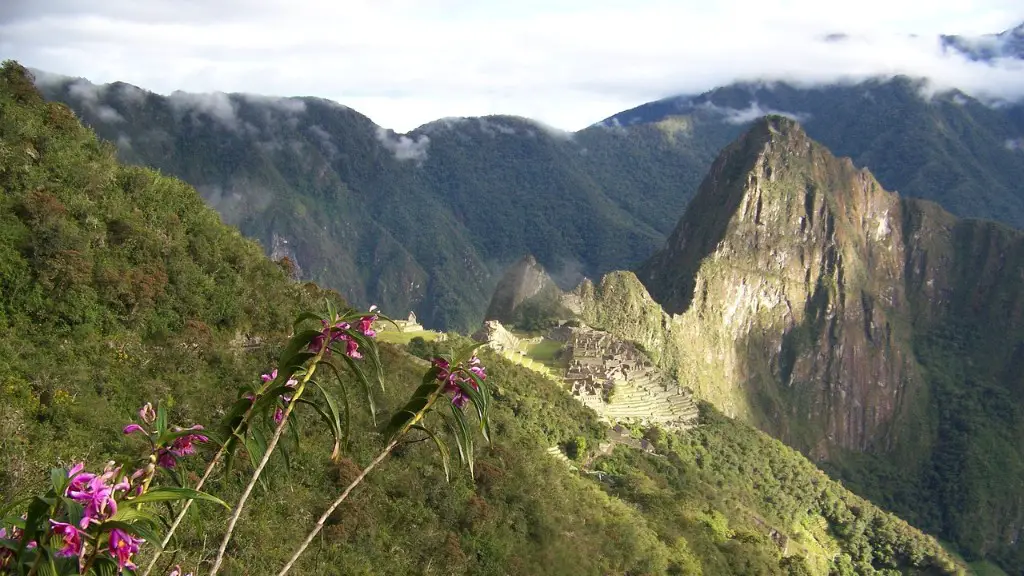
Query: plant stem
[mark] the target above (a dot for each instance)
(181, 515)
(380, 458)
(323, 518)
(266, 458)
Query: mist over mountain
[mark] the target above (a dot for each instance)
(946, 147)
(989, 47)
(421, 221)
(119, 285)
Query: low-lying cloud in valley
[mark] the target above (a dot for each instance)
(567, 63)
(404, 147)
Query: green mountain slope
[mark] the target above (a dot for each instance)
(422, 221)
(119, 286)
(312, 180)
(878, 334)
(948, 148)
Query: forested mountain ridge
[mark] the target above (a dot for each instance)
(340, 195)
(878, 334)
(344, 198)
(119, 286)
(964, 154)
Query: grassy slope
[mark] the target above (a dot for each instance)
(119, 286)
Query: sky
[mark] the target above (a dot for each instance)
(566, 63)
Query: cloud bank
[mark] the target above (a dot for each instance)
(566, 63)
(404, 147)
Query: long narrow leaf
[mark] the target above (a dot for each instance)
(483, 396)
(328, 420)
(344, 396)
(332, 405)
(464, 436)
(303, 317)
(140, 529)
(455, 434)
(441, 448)
(368, 348)
(366, 386)
(170, 494)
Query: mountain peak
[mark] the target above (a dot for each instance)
(773, 185)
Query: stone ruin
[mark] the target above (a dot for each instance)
(408, 325)
(618, 381)
(611, 376)
(497, 337)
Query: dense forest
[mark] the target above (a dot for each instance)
(119, 286)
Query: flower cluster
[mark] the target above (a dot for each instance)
(98, 495)
(339, 332)
(460, 373)
(285, 398)
(183, 445)
(82, 525)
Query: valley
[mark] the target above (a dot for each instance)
(715, 347)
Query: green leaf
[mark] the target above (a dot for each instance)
(105, 566)
(366, 386)
(464, 437)
(170, 435)
(305, 316)
(165, 494)
(328, 419)
(348, 409)
(368, 347)
(140, 529)
(47, 566)
(413, 411)
(132, 514)
(455, 434)
(465, 353)
(441, 448)
(161, 419)
(296, 345)
(74, 509)
(256, 447)
(59, 480)
(482, 402)
(35, 519)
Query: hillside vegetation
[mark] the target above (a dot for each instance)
(948, 147)
(877, 334)
(348, 201)
(119, 287)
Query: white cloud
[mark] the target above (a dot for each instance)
(285, 105)
(1015, 144)
(566, 63)
(217, 105)
(404, 147)
(753, 112)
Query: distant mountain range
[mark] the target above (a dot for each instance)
(426, 221)
(988, 47)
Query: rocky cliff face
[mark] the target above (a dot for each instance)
(523, 280)
(799, 295)
(526, 297)
(790, 262)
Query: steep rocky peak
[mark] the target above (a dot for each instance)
(521, 281)
(773, 190)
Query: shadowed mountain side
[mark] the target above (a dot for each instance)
(872, 332)
(424, 221)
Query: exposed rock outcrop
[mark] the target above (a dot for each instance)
(527, 294)
(799, 295)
